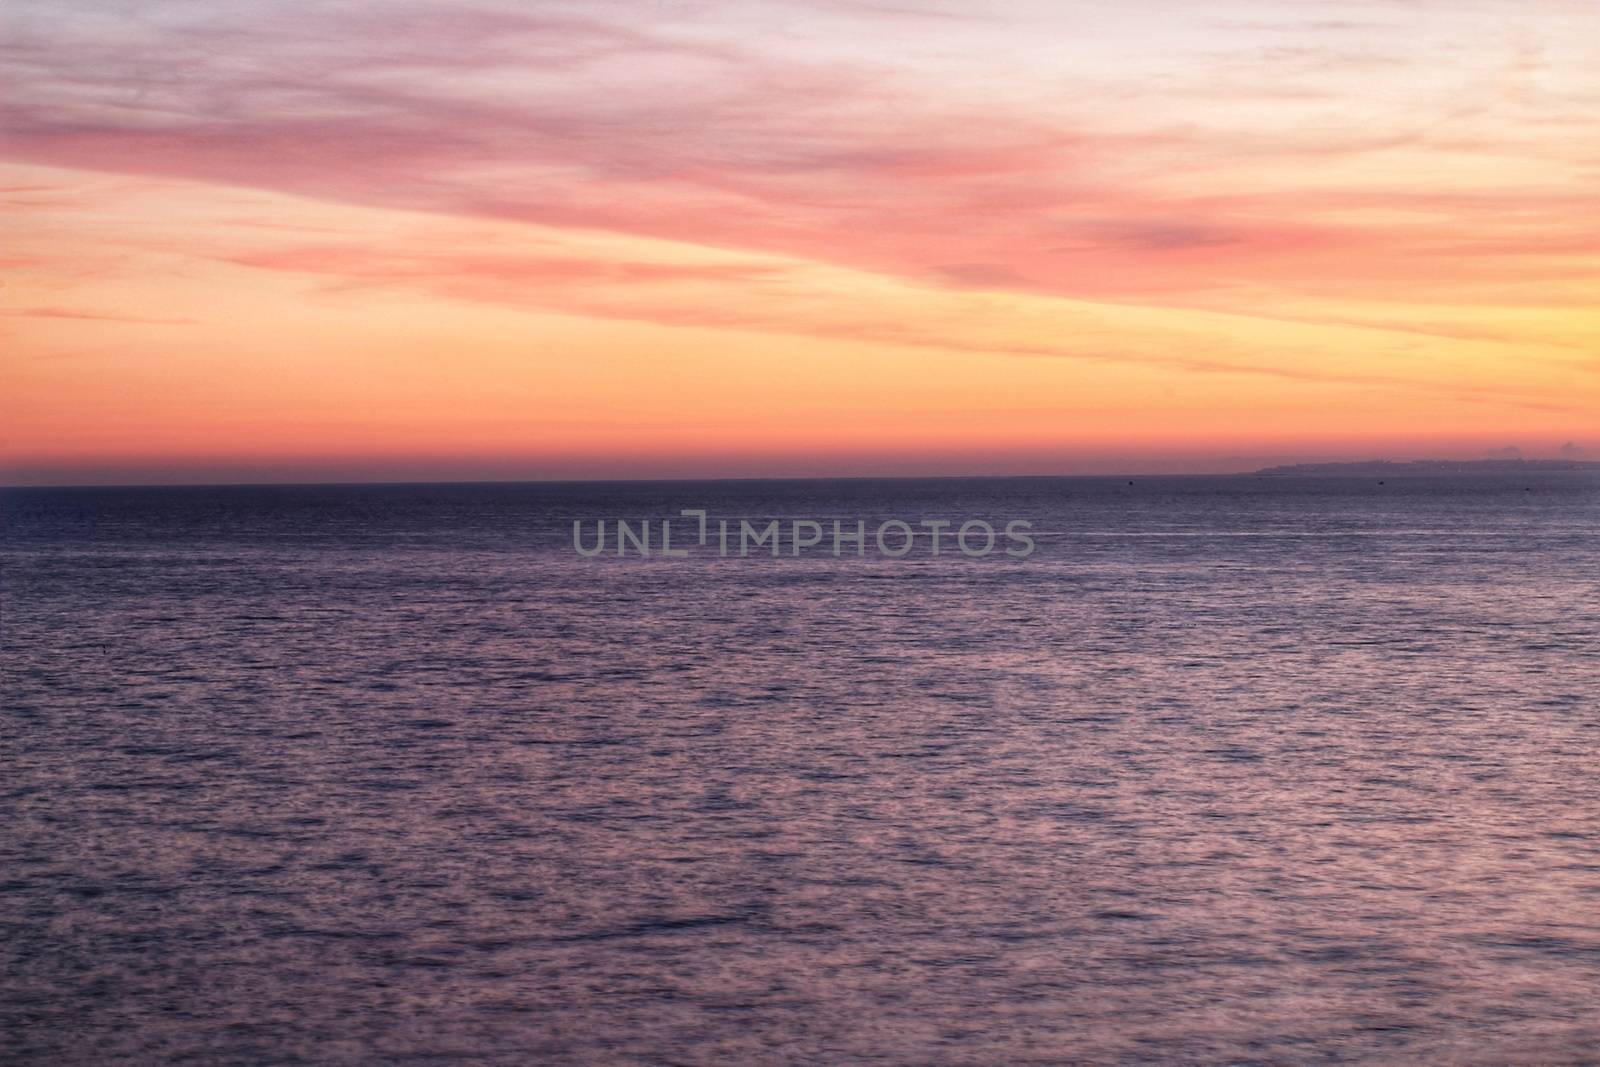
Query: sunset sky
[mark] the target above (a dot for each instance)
(333, 241)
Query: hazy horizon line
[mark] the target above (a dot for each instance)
(720, 479)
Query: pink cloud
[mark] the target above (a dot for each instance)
(684, 129)
(96, 316)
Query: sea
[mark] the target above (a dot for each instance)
(1226, 770)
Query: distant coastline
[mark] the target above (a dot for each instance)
(1433, 466)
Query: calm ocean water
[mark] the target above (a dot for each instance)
(1231, 770)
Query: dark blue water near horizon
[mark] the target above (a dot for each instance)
(1230, 770)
